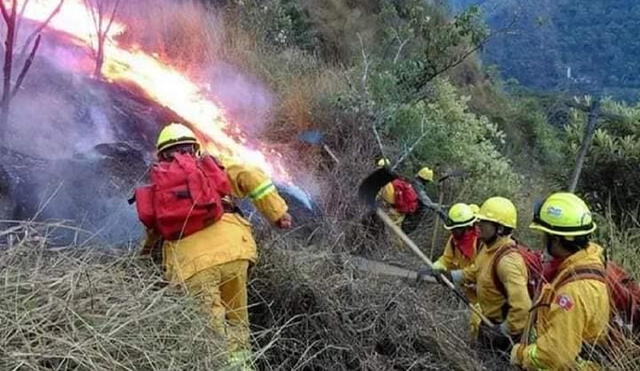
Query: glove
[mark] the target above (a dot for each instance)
(496, 337)
(285, 222)
(493, 333)
(425, 272)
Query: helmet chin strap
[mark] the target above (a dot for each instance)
(548, 245)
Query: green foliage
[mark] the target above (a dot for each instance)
(467, 141)
(431, 42)
(612, 168)
(597, 39)
(282, 23)
(448, 134)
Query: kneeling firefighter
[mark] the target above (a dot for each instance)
(207, 245)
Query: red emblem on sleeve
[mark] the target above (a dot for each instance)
(564, 302)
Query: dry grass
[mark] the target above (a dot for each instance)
(89, 310)
(83, 309)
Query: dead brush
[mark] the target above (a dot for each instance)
(84, 309)
(312, 311)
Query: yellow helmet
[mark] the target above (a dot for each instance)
(175, 134)
(460, 215)
(475, 208)
(499, 210)
(384, 162)
(563, 214)
(426, 174)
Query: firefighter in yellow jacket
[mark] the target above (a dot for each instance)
(213, 263)
(462, 246)
(388, 196)
(572, 311)
(497, 219)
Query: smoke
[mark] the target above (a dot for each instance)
(64, 117)
(245, 100)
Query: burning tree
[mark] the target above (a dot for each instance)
(103, 13)
(12, 19)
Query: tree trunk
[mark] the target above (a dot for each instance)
(590, 129)
(6, 86)
(99, 56)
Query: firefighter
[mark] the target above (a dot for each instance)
(213, 262)
(572, 312)
(388, 197)
(509, 306)
(425, 176)
(399, 199)
(463, 243)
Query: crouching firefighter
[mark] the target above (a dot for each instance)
(207, 245)
(573, 310)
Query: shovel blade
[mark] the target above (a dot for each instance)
(371, 185)
(314, 137)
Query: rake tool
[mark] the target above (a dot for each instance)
(368, 191)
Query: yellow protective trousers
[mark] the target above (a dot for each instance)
(222, 290)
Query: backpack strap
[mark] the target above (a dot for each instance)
(585, 272)
(501, 253)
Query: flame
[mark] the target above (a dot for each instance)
(163, 83)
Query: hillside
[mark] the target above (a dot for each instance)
(372, 78)
(566, 45)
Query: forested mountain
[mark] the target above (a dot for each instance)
(566, 44)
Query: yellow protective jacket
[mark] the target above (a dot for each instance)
(512, 272)
(453, 259)
(565, 317)
(228, 239)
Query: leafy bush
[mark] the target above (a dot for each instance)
(612, 168)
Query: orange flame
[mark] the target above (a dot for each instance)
(162, 82)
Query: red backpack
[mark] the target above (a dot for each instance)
(533, 262)
(406, 198)
(184, 197)
(624, 294)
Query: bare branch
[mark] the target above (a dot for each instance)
(413, 146)
(5, 13)
(40, 28)
(116, 5)
(21, 17)
(365, 61)
(26, 66)
(402, 44)
(586, 108)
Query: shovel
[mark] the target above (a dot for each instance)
(316, 138)
(367, 192)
